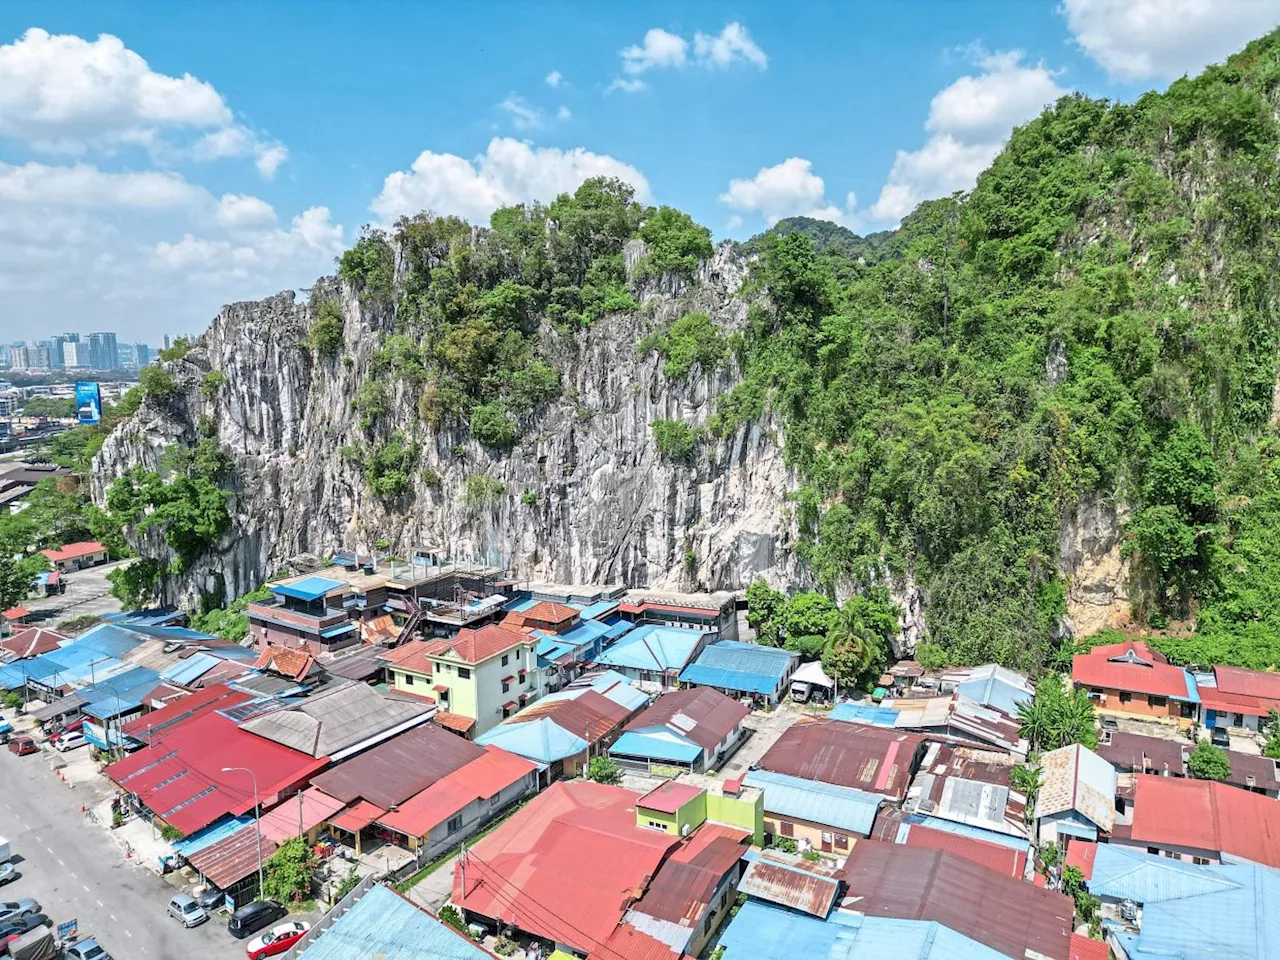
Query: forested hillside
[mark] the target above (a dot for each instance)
(587, 387)
(1098, 315)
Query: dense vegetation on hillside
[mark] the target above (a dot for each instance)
(1129, 251)
(827, 237)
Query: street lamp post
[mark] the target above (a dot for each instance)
(257, 821)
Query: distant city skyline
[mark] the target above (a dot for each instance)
(98, 351)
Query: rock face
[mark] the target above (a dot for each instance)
(1096, 575)
(585, 496)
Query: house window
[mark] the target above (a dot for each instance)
(455, 824)
(408, 680)
(842, 841)
(1170, 854)
(506, 712)
(1237, 720)
(506, 687)
(505, 659)
(1200, 860)
(1125, 696)
(658, 825)
(1154, 851)
(1158, 701)
(464, 673)
(524, 675)
(786, 828)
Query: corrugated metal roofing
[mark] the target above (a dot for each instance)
(1075, 778)
(1250, 683)
(790, 880)
(297, 815)
(1008, 915)
(487, 776)
(846, 754)
(764, 931)
(1132, 666)
(396, 769)
(1189, 910)
(1138, 754)
(336, 718)
(993, 856)
(384, 925)
(1205, 815)
(844, 808)
(598, 609)
(308, 588)
(542, 740)
(734, 665)
(653, 648)
(232, 858)
(663, 745)
(993, 686)
(189, 670)
(701, 715)
(614, 686)
(210, 835)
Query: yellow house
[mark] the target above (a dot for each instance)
(486, 675)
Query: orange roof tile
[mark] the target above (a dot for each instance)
(292, 662)
(72, 550)
(477, 646)
(411, 657)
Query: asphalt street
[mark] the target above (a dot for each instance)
(87, 595)
(75, 871)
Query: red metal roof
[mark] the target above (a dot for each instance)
(1205, 815)
(792, 881)
(14, 613)
(909, 883)
(295, 816)
(846, 754)
(1234, 702)
(1087, 948)
(178, 775)
(1081, 854)
(1134, 752)
(566, 867)
(71, 551)
(1249, 683)
(396, 769)
(1130, 666)
(158, 722)
(993, 856)
(545, 611)
(714, 715)
(486, 776)
(232, 858)
(32, 642)
(668, 797)
(590, 715)
(454, 721)
(628, 943)
(412, 657)
(476, 646)
(358, 816)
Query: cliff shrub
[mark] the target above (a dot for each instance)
(388, 466)
(694, 338)
(369, 267)
(211, 383)
(157, 382)
(674, 439)
(324, 335)
(675, 243)
(481, 492)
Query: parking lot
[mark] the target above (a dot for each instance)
(75, 871)
(87, 595)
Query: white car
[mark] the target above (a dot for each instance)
(70, 741)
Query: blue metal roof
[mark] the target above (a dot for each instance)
(210, 835)
(1225, 910)
(616, 687)
(734, 665)
(864, 713)
(844, 807)
(191, 669)
(309, 588)
(15, 674)
(339, 630)
(653, 648)
(655, 746)
(996, 686)
(151, 617)
(765, 931)
(385, 925)
(541, 740)
(968, 830)
(599, 609)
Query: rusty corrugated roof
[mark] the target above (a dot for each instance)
(791, 881)
(847, 755)
(232, 858)
(702, 714)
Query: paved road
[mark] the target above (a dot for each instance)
(87, 595)
(74, 870)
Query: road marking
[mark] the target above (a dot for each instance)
(60, 863)
(99, 903)
(128, 934)
(113, 918)
(86, 888)
(50, 849)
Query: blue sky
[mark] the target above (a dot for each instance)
(157, 160)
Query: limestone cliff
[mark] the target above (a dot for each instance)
(585, 495)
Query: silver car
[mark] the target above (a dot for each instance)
(87, 950)
(186, 911)
(8, 873)
(18, 908)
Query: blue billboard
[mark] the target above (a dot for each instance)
(88, 403)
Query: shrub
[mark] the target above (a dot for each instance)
(371, 402)
(157, 382)
(491, 425)
(604, 769)
(324, 336)
(389, 465)
(675, 243)
(674, 440)
(211, 383)
(1208, 762)
(287, 875)
(528, 498)
(177, 351)
(480, 492)
(369, 266)
(694, 338)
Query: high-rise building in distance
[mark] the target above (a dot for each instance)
(141, 355)
(71, 350)
(102, 352)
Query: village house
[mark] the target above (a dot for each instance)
(744, 670)
(486, 675)
(1077, 794)
(1233, 698)
(1132, 679)
(76, 556)
(304, 612)
(692, 730)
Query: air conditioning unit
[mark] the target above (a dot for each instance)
(1128, 911)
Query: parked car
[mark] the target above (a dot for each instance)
(1220, 738)
(13, 909)
(186, 911)
(8, 873)
(212, 898)
(277, 940)
(17, 925)
(87, 950)
(75, 726)
(23, 746)
(1109, 723)
(252, 917)
(69, 741)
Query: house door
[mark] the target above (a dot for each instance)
(826, 842)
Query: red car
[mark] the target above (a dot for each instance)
(277, 940)
(22, 746)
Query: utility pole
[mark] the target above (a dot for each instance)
(257, 821)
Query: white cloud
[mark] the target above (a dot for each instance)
(969, 122)
(660, 49)
(523, 116)
(509, 171)
(787, 189)
(65, 94)
(554, 78)
(626, 85)
(239, 210)
(732, 45)
(1164, 39)
(85, 186)
(564, 113)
